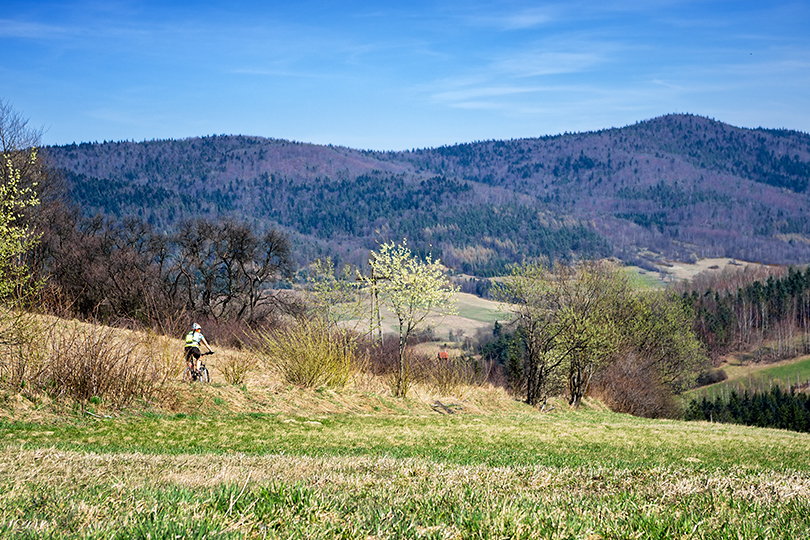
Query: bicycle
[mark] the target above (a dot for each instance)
(190, 374)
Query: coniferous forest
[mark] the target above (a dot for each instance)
(738, 316)
(776, 408)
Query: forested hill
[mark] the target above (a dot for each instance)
(679, 185)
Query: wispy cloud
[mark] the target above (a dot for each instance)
(477, 92)
(10, 28)
(517, 20)
(514, 76)
(478, 105)
(540, 62)
(277, 72)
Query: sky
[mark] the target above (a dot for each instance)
(398, 75)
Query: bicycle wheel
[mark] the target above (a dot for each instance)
(188, 376)
(204, 375)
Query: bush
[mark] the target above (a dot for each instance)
(235, 366)
(710, 377)
(89, 361)
(378, 358)
(447, 375)
(21, 355)
(627, 386)
(309, 353)
(444, 376)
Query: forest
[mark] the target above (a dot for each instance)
(679, 186)
(738, 310)
(777, 408)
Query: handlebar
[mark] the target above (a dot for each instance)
(207, 353)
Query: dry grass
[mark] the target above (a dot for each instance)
(441, 493)
(134, 470)
(93, 363)
(260, 390)
(686, 271)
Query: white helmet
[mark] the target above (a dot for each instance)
(196, 326)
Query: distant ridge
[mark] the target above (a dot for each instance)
(679, 186)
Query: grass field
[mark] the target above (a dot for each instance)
(754, 377)
(264, 459)
(643, 279)
(519, 474)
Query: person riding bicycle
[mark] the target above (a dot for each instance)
(192, 348)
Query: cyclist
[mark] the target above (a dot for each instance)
(193, 340)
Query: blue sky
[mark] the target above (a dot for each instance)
(392, 76)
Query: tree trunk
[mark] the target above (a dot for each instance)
(402, 383)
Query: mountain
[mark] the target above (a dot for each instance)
(678, 186)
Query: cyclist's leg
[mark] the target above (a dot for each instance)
(189, 357)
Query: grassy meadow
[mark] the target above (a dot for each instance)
(265, 459)
(407, 473)
(757, 377)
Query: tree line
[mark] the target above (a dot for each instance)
(223, 270)
(776, 408)
(772, 307)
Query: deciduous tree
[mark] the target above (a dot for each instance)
(412, 288)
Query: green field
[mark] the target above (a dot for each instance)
(757, 378)
(521, 474)
(643, 279)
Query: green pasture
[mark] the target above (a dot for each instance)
(643, 279)
(758, 379)
(523, 474)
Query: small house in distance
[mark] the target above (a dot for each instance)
(443, 355)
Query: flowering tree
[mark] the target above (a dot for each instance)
(15, 239)
(412, 289)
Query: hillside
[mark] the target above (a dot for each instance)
(680, 186)
(756, 377)
(264, 458)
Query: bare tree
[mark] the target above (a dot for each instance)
(224, 270)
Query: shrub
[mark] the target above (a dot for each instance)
(234, 367)
(309, 353)
(711, 376)
(90, 361)
(447, 375)
(21, 353)
(379, 358)
(628, 386)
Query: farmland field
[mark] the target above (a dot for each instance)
(515, 474)
(472, 314)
